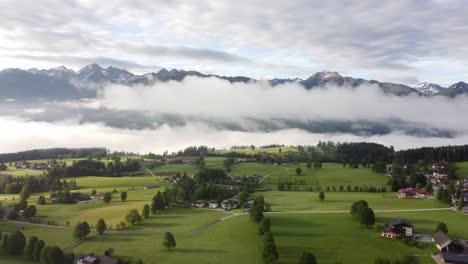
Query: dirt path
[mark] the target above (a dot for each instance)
(72, 246)
(276, 172)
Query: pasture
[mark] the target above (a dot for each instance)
(462, 171)
(331, 174)
(306, 201)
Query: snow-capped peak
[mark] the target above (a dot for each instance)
(427, 88)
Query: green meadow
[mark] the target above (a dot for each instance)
(462, 171)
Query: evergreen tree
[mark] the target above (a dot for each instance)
(298, 171)
(107, 197)
(101, 226)
(322, 196)
(52, 255)
(15, 243)
(36, 254)
(442, 227)
(265, 225)
(146, 211)
(123, 196)
(270, 251)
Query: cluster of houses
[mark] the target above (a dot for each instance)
(44, 166)
(452, 251)
(228, 204)
(92, 259)
(413, 193)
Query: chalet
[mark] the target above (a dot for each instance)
(413, 193)
(213, 204)
(230, 203)
(441, 240)
(200, 203)
(389, 232)
(440, 175)
(403, 226)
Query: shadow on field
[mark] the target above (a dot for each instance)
(197, 250)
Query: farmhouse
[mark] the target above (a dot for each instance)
(453, 258)
(413, 193)
(213, 204)
(438, 166)
(441, 240)
(230, 203)
(397, 227)
(200, 203)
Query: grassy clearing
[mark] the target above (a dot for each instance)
(258, 150)
(233, 241)
(334, 238)
(462, 172)
(331, 174)
(123, 183)
(303, 201)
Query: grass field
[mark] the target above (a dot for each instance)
(233, 241)
(331, 174)
(462, 172)
(334, 238)
(303, 201)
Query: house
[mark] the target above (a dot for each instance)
(151, 186)
(453, 258)
(213, 204)
(440, 175)
(403, 226)
(389, 232)
(441, 240)
(200, 203)
(413, 193)
(230, 203)
(92, 259)
(438, 166)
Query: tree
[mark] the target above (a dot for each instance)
(28, 250)
(298, 171)
(367, 216)
(265, 225)
(107, 197)
(442, 227)
(36, 254)
(322, 196)
(460, 204)
(307, 258)
(309, 164)
(270, 251)
(25, 192)
(146, 211)
(379, 166)
(133, 217)
(52, 255)
(93, 192)
(169, 241)
(81, 230)
(101, 226)
(15, 243)
(157, 204)
(5, 242)
(123, 196)
(256, 211)
(41, 200)
(429, 187)
(30, 211)
(451, 188)
(356, 206)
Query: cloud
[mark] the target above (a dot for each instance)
(17, 136)
(213, 112)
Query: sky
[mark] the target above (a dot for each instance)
(408, 41)
(396, 41)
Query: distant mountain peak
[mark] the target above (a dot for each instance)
(427, 88)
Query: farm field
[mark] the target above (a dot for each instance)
(233, 241)
(462, 172)
(335, 238)
(331, 174)
(303, 201)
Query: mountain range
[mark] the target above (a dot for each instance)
(64, 83)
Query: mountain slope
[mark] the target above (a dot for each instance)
(428, 89)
